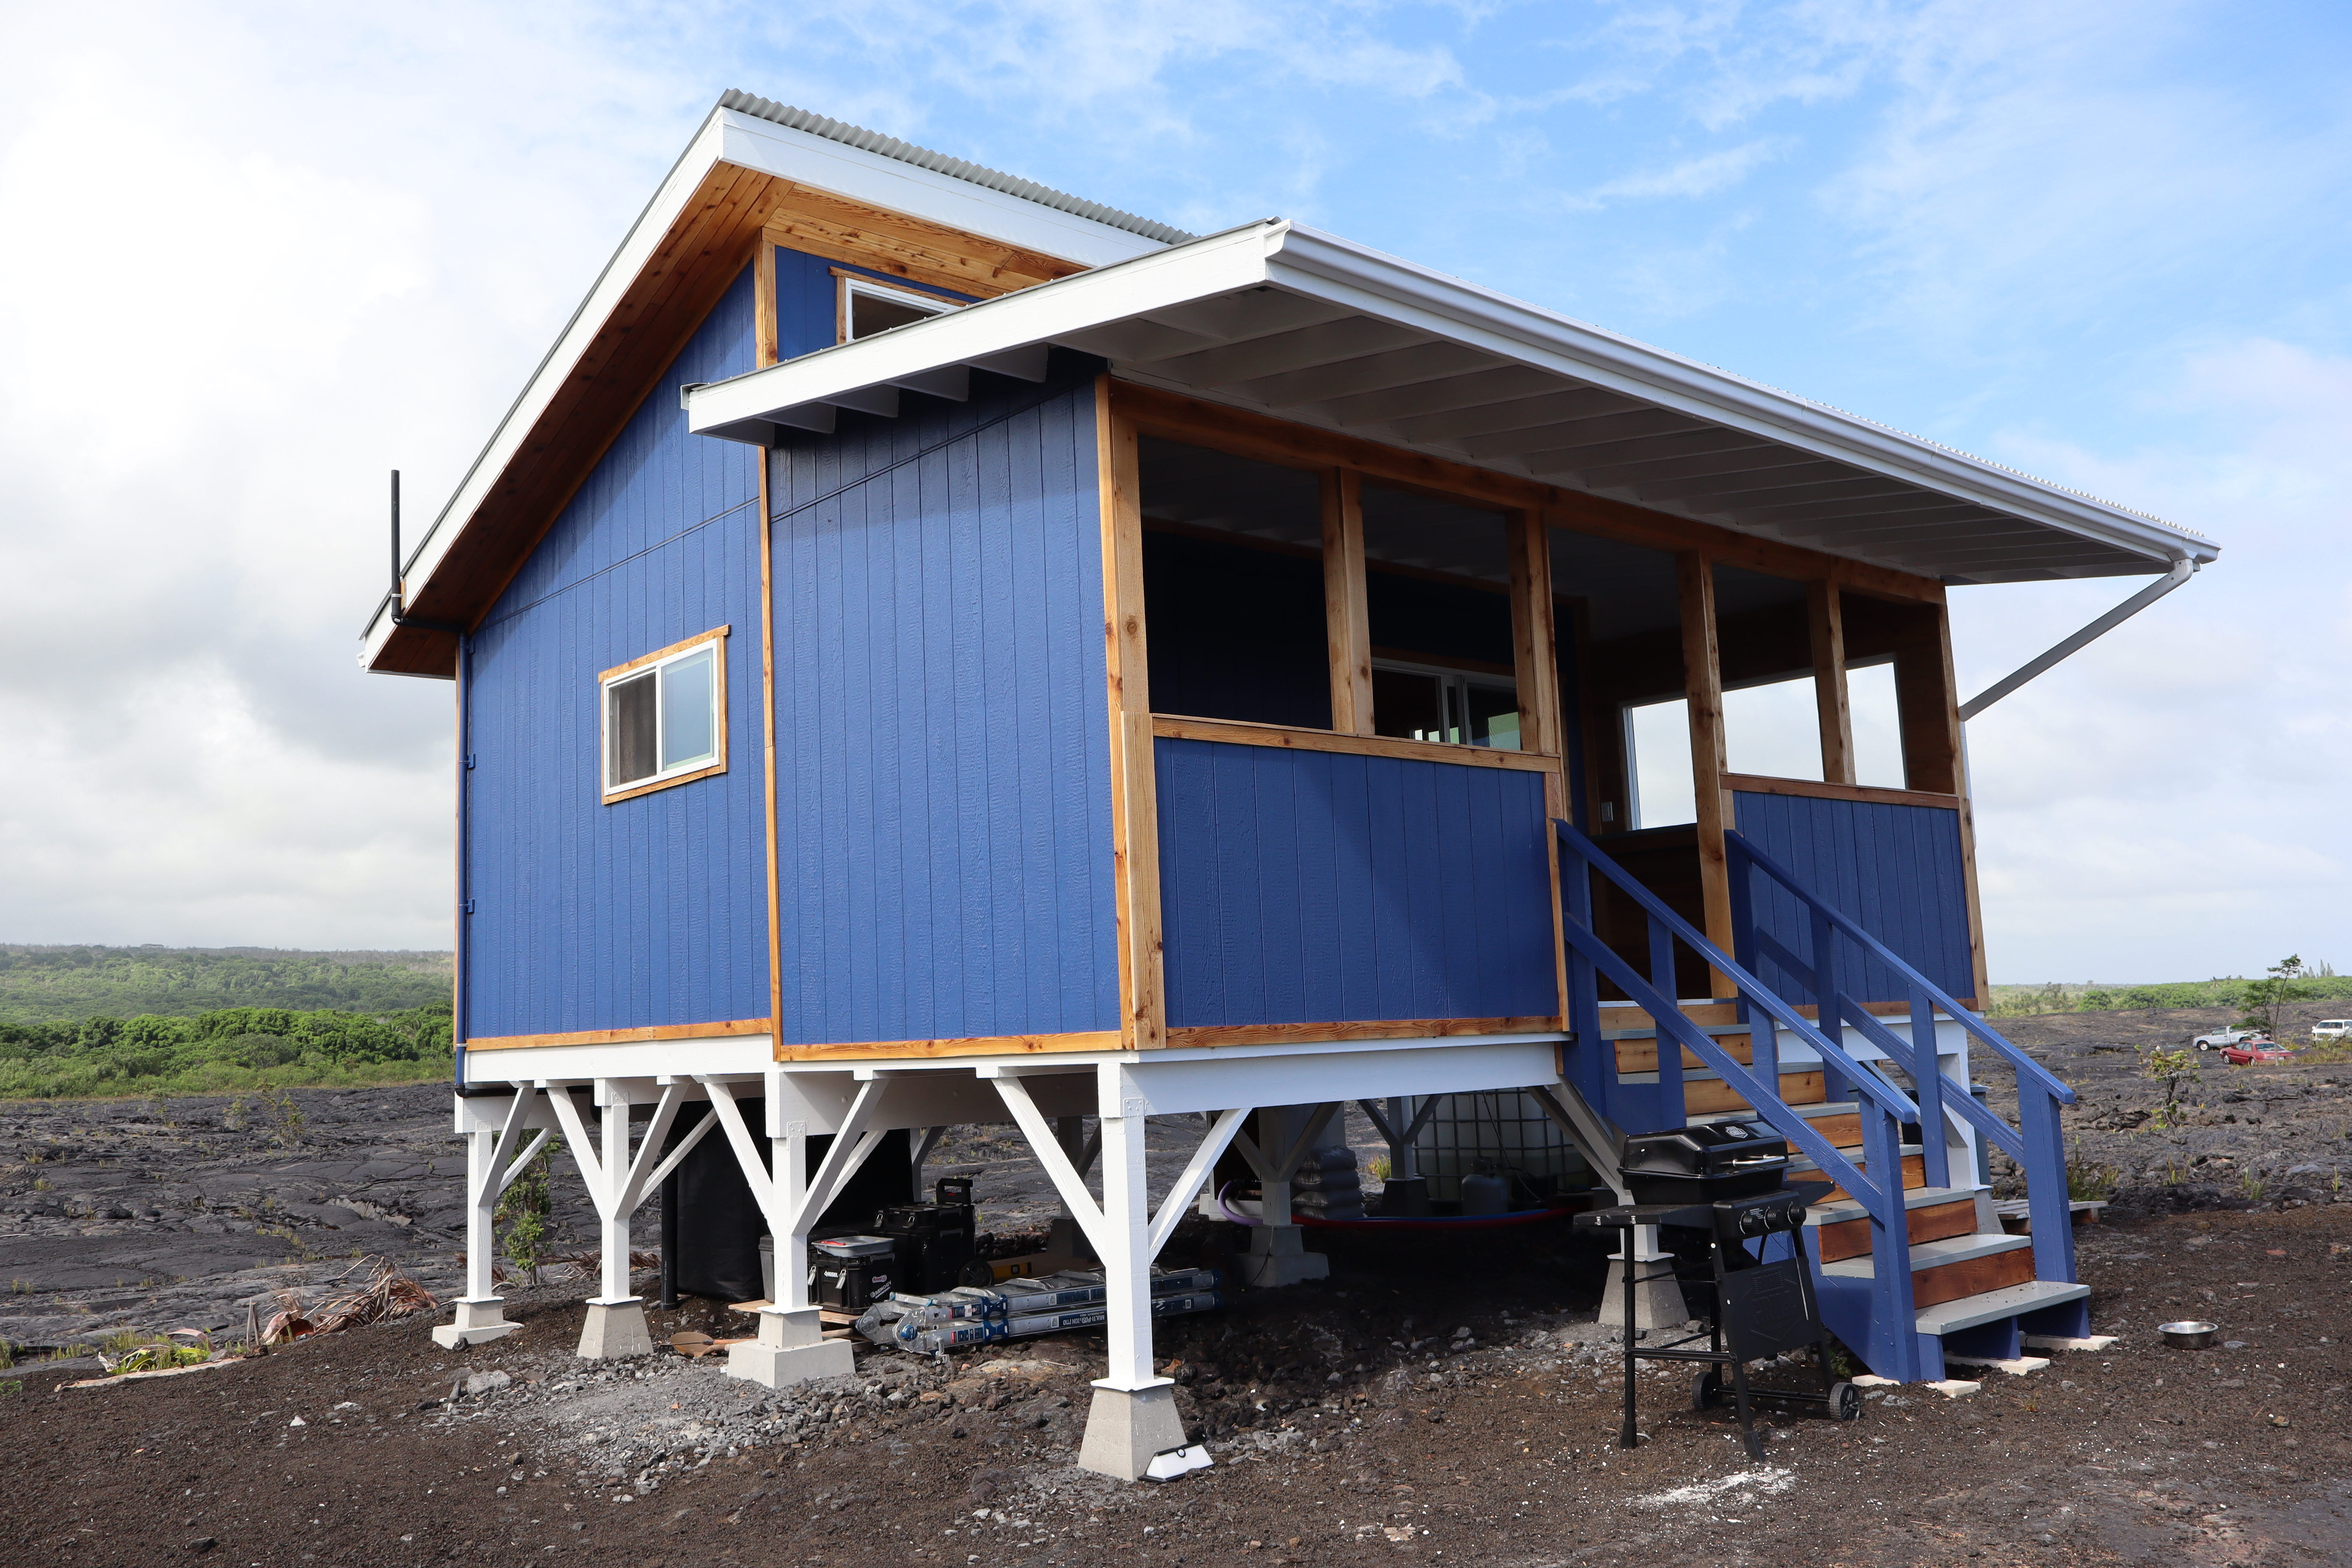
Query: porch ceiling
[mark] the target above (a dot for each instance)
(1304, 326)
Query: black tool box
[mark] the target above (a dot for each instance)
(850, 1273)
(935, 1240)
(1704, 1164)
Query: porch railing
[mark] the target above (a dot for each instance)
(1877, 1185)
(2037, 1143)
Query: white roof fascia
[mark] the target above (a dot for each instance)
(685, 178)
(1386, 287)
(901, 187)
(1174, 276)
(726, 136)
(1322, 266)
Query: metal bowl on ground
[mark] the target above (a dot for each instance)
(2187, 1335)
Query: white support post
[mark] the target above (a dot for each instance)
(1134, 1415)
(615, 1325)
(480, 1313)
(1278, 1251)
(1657, 1303)
(792, 1347)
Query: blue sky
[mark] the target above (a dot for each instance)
(281, 249)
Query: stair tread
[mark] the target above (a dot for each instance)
(1809, 1110)
(1844, 1209)
(1936, 1254)
(1800, 1164)
(1968, 1311)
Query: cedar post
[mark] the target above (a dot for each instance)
(1826, 617)
(1134, 799)
(1347, 619)
(1703, 686)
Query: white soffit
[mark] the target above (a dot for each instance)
(819, 162)
(1307, 327)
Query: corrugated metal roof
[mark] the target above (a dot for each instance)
(940, 163)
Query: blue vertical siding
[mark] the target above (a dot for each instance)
(942, 726)
(653, 911)
(1896, 870)
(1312, 887)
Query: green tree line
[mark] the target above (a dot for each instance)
(220, 1051)
(46, 984)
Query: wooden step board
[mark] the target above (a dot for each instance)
(1958, 1267)
(1642, 1055)
(1935, 1214)
(1707, 1096)
(1915, 1174)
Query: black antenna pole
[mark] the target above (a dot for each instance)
(399, 617)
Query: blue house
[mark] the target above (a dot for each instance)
(930, 650)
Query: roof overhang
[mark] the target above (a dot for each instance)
(1301, 325)
(740, 173)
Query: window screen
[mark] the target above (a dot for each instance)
(629, 730)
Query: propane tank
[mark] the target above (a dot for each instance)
(1483, 1192)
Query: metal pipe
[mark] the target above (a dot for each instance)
(2182, 569)
(399, 618)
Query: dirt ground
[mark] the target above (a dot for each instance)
(1436, 1401)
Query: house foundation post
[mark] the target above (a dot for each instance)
(1276, 1253)
(480, 1311)
(616, 1316)
(791, 1346)
(1134, 1414)
(1657, 1303)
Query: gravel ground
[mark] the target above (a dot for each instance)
(1444, 1399)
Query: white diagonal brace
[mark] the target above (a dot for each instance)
(661, 1173)
(851, 1144)
(576, 1139)
(1196, 1171)
(509, 1134)
(1249, 1151)
(632, 1186)
(512, 1171)
(1050, 1154)
(730, 1117)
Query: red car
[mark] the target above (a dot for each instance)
(2256, 1051)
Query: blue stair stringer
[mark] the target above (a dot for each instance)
(1873, 1315)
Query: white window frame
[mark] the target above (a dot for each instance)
(851, 284)
(1455, 699)
(653, 663)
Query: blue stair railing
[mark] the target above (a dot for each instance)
(1893, 1350)
(2037, 1143)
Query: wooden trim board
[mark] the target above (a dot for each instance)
(1355, 1029)
(730, 1029)
(1758, 784)
(661, 653)
(1234, 732)
(1347, 616)
(978, 1045)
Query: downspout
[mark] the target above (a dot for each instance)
(2184, 568)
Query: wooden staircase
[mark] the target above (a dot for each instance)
(1927, 1249)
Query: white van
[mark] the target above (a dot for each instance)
(2331, 1028)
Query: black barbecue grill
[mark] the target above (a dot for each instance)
(1705, 1163)
(1761, 1309)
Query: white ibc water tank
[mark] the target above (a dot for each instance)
(1503, 1130)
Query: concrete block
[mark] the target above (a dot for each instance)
(2060, 1342)
(1277, 1255)
(1954, 1388)
(615, 1328)
(791, 1348)
(1657, 1303)
(2017, 1366)
(476, 1322)
(1128, 1427)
